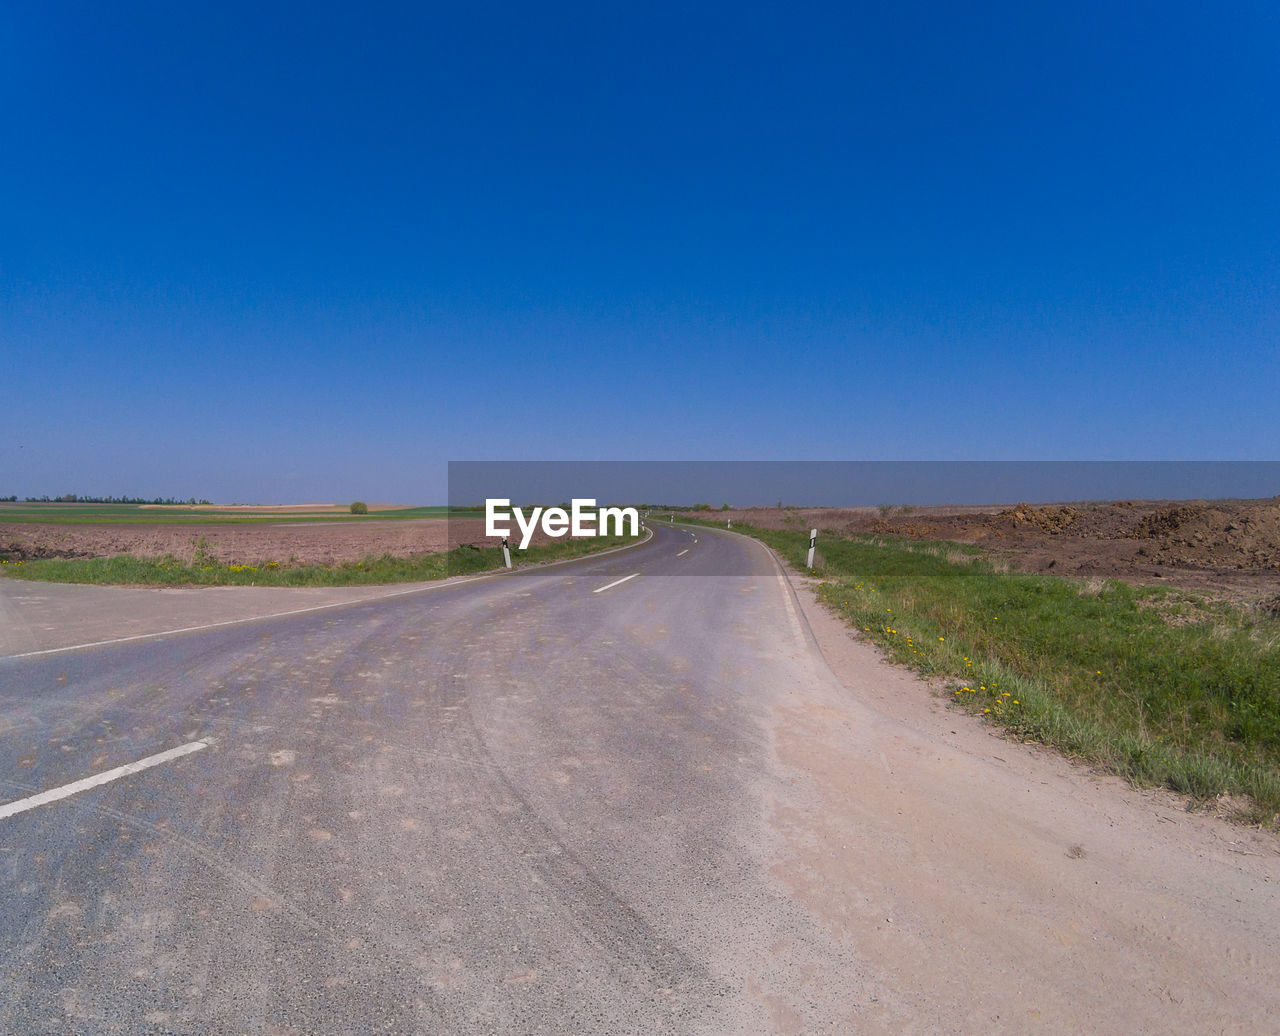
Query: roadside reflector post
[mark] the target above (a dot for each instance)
(506, 552)
(730, 525)
(813, 538)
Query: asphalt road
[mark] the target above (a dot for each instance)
(531, 803)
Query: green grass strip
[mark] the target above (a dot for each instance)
(205, 571)
(1164, 686)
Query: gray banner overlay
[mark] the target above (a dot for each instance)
(856, 483)
(664, 488)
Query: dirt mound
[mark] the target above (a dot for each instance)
(1219, 537)
(886, 527)
(1046, 519)
(1164, 521)
(1107, 521)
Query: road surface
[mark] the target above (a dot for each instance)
(625, 794)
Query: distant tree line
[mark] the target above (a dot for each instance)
(72, 498)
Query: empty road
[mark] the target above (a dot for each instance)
(624, 794)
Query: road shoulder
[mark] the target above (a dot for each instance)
(999, 883)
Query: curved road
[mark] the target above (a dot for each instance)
(536, 802)
(624, 794)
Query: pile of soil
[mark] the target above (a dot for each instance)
(1219, 538)
(1049, 519)
(1164, 521)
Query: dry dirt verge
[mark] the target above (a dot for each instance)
(1001, 887)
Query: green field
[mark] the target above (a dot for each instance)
(134, 514)
(1164, 686)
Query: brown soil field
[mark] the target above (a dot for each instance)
(270, 508)
(1228, 547)
(308, 543)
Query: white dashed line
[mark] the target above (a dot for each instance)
(610, 586)
(683, 552)
(67, 790)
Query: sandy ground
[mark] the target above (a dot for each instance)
(1008, 888)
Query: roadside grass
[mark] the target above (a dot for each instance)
(1165, 687)
(204, 570)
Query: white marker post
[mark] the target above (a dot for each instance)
(506, 553)
(730, 525)
(813, 538)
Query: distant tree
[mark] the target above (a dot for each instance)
(359, 507)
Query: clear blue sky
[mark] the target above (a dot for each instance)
(276, 252)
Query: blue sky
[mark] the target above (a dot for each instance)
(277, 252)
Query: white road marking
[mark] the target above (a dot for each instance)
(610, 586)
(67, 790)
(784, 586)
(683, 552)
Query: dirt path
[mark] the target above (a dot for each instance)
(1003, 888)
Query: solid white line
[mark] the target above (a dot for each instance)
(615, 583)
(442, 585)
(683, 552)
(67, 790)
